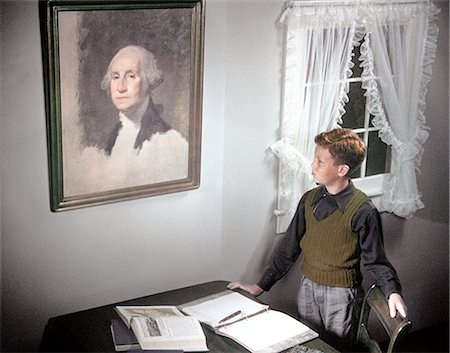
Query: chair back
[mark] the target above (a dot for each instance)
(395, 328)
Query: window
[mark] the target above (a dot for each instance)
(399, 50)
(371, 174)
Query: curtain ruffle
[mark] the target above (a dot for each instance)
(348, 72)
(290, 157)
(405, 151)
(375, 105)
(405, 208)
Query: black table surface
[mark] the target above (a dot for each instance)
(89, 330)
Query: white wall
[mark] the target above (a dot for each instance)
(253, 62)
(54, 264)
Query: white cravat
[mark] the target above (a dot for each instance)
(124, 145)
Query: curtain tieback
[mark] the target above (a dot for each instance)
(290, 156)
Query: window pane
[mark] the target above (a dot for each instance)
(356, 173)
(355, 108)
(370, 120)
(376, 155)
(357, 70)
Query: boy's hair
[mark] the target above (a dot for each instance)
(344, 145)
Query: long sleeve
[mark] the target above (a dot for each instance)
(367, 224)
(287, 251)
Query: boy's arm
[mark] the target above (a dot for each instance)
(367, 224)
(288, 250)
(284, 257)
(253, 289)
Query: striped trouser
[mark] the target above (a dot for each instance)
(331, 311)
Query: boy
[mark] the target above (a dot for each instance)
(336, 227)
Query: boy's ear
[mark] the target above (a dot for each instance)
(343, 170)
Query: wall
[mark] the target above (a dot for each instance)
(253, 61)
(54, 264)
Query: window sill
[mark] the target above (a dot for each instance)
(372, 186)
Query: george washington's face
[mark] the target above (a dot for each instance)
(126, 85)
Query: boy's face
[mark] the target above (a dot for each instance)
(324, 169)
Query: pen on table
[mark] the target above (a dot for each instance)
(229, 317)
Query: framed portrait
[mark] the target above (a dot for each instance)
(123, 88)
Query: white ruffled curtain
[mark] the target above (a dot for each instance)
(397, 53)
(319, 43)
(398, 49)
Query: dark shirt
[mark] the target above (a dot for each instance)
(366, 223)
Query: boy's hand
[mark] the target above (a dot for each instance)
(396, 303)
(253, 289)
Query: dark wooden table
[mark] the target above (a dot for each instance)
(89, 330)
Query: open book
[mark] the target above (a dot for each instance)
(253, 325)
(163, 327)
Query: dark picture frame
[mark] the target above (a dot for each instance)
(80, 40)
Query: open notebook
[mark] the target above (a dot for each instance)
(253, 325)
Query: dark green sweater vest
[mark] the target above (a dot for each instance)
(331, 252)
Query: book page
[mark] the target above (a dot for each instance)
(213, 309)
(175, 332)
(128, 312)
(270, 331)
(168, 326)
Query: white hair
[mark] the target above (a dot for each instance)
(149, 70)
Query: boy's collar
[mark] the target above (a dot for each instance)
(342, 198)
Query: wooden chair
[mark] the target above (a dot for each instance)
(396, 328)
